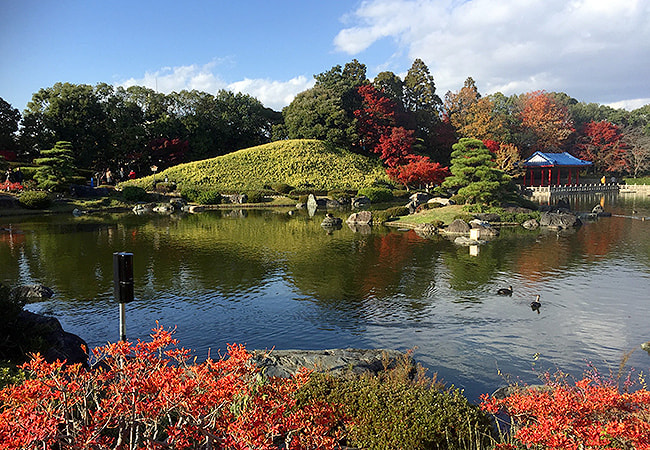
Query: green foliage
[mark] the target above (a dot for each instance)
(255, 196)
(505, 215)
(394, 410)
(35, 199)
(202, 196)
(165, 187)
(10, 375)
(55, 168)
(295, 162)
(377, 194)
(340, 196)
(281, 188)
(635, 181)
(134, 194)
(390, 213)
(474, 174)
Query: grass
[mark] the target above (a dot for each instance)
(444, 214)
(300, 163)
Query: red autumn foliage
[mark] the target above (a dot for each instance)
(9, 186)
(147, 396)
(602, 143)
(491, 145)
(590, 414)
(548, 122)
(419, 171)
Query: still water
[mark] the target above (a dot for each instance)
(269, 279)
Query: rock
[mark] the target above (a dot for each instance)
(31, 292)
(458, 226)
(62, 345)
(78, 213)
(419, 198)
(285, 363)
(597, 209)
(143, 208)
(177, 203)
(360, 202)
(239, 198)
(563, 204)
(441, 200)
(530, 224)
(488, 217)
(484, 228)
(163, 209)
(426, 230)
(78, 190)
(195, 209)
(330, 221)
(559, 220)
(646, 346)
(332, 204)
(360, 218)
(8, 201)
(464, 240)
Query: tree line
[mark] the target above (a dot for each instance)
(405, 123)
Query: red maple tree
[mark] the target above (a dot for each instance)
(602, 144)
(419, 171)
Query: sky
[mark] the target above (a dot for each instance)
(593, 50)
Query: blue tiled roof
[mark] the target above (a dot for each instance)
(554, 159)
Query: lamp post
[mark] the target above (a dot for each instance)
(123, 285)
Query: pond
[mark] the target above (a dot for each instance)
(269, 279)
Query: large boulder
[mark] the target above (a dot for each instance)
(78, 190)
(426, 230)
(559, 220)
(485, 230)
(285, 363)
(60, 344)
(360, 202)
(331, 222)
(458, 226)
(360, 218)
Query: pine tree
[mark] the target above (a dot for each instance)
(55, 167)
(474, 174)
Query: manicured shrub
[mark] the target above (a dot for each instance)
(390, 213)
(377, 194)
(255, 197)
(394, 410)
(281, 188)
(134, 194)
(208, 197)
(190, 194)
(35, 199)
(165, 187)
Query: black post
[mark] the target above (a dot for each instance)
(123, 285)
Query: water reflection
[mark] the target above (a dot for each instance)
(270, 279)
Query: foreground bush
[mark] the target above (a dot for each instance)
(590, 414)
(398, 409)
(146, 395)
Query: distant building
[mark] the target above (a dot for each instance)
(552, 169)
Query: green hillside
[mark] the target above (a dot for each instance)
(298, 163)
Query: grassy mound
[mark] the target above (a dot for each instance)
(298, 163)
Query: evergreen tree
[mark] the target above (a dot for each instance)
(474, 174)
(56, 167)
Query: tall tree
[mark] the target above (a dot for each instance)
(602, 143)
(391, 85)
(9, 120)
(68, 112)
(458, 106)
(638, 150)
(546, 123)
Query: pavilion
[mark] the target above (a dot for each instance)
(552, 169)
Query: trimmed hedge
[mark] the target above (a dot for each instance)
(35, 200)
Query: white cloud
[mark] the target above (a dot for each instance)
(630, 105)
(168, 79)
(594, 50)
(272, 93)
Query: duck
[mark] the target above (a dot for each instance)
(505, 291)
(536, 304)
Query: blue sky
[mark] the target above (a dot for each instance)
(593, 50)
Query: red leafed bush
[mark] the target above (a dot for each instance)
(147, 396)
(9, 186)
(590, 414)
(420, 171)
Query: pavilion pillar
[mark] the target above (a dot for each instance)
(559, 170)
(577, 175)
(549, 176)
(569, 182)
